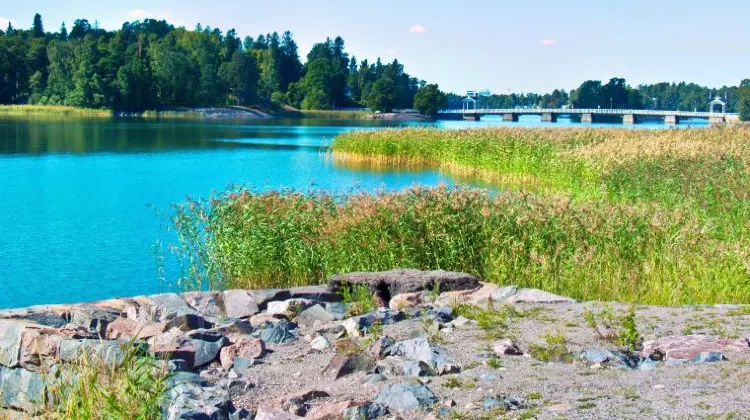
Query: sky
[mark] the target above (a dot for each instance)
(503, 46)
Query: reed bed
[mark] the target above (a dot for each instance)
(655, 217)
(337, 115)
(53, 111)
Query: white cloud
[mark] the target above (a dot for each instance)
(548, 42)
(417, 29)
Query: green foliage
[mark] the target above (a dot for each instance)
(429, 100)
(382, 95)
(495, 362)
(358, 299)
(621, 330)
(744, 100)
(90, 389)
(554, 348)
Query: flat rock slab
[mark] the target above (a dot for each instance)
(690, 347)
(396, 282)
(406, 397)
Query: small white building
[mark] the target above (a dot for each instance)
(717, 101)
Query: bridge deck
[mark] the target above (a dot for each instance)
(577, 111)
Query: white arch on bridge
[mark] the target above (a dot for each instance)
(718, 101)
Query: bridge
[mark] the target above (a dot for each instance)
(628, 116)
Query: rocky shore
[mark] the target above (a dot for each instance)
(418, 345)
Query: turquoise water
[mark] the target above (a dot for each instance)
(79, 199)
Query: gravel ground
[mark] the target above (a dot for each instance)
(547, 390)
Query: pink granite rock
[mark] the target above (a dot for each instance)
(691, 346)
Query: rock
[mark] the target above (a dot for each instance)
(327, 328)
(379, 347)
(405, 397)
(503, 403)
(262, 297)
(109, 352)
(301, 403)
(268, 414)
(172, 308)
(329, 410)
(375, 379)
(10, 342)
(208, 304)
(320, 343)
(288, 306)
(173, 344)
(238, 386)
(316, 293)
(488, 377)
(22, 390)
(247, 348)
(691, 346)
(53, 316)
(93, 318)
(414, 368)
(261, 320)
(337, 309)
(436, 357)
(368, 411)
(610, 358)
(388, 317)
(189, 401)
(280, 333)
(313, 314)
(537, 296)
(480, 296)
(355, 325)
(709, 357)
(443, 315)
(506, 348)
(186, 378)
(125, 328)
(207, 347)
(396, 282)
(461, 322)
(406, 300)
(240, 304)
(647, 365)
(340, 365)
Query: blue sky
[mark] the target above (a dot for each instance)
(520, 46)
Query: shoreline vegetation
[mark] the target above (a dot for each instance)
(655, 217)
(209, 113)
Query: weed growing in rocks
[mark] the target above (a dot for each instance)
(92, 389)
(495, 362)
(621, 330)
(554, 349)
(358, 299)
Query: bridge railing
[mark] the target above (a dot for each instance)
(578, 111)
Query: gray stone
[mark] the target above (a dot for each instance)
(49, 316)
(10, 342)
(242, 364)
(207, 348)
(317, 293)
(93, 318)
(240, 304)
(488, 377)
(280, 333)
(314, 314)
(380, 346)
(405, 281)
(504, 403)
(320, 343)
(109, 352)
(647, 365)
(709, 357)
(443, 315)
(405, 397)
(415, 368)
(506, 347)
(208, 304)
(502, 294)
(278, 307)
(436, 357)
(22, 390)
(388, 317)
(192, 402)
(355, 325)
(369, 411)
(610, 358)
(262, 297)
(337, 309)
(186, 378)
(269, 414)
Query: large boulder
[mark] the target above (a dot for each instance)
(691, 346)
(191, 401)
(406, 397)
(419, 349)
(395, 282)
(22, 390)
(314, 314)
(341, 366)
(106, 351)
(245, 348)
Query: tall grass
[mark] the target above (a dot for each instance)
(658, 217)
(52, 110)
(336, 114)
(92, 389)
(589, 250)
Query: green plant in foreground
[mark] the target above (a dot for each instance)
(622, 330)
(358, 299)
(554, 349)
(92, 389)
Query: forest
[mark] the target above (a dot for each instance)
(151, 64)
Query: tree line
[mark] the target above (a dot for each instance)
(617, 94)
(151, 64)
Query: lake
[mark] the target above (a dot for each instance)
(82, 201)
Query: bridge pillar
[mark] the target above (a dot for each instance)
(587, 118)
(629, 119)
(671, 119)
(473, 116)
(510, 117)
(717, 120)
(549, 117)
